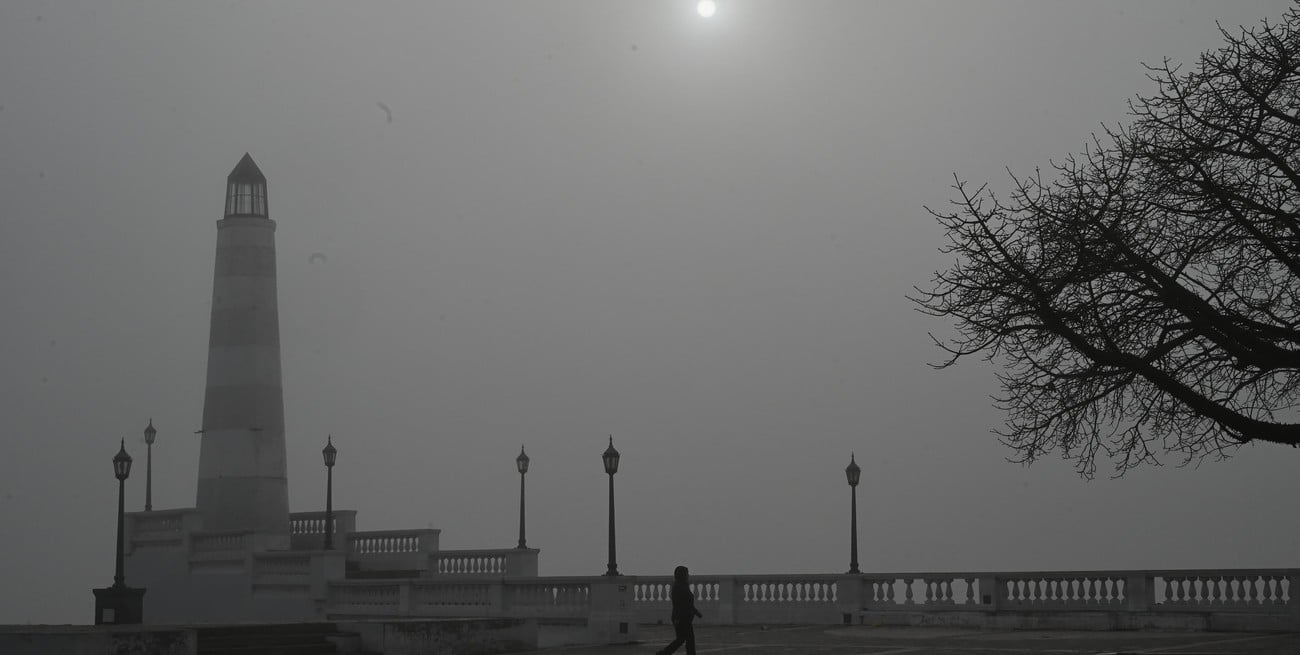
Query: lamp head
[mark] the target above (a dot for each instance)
(122, 463)
(329, 452)
(853, 471)
(610, 456)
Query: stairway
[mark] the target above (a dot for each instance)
(276, 639)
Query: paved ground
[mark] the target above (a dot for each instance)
(866, 640)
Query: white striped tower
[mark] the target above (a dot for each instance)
(243, 484)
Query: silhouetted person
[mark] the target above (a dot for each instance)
(684, 613)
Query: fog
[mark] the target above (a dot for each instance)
(544, 223)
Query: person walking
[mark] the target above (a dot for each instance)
(684, 613)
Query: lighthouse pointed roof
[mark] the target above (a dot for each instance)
(246, 171)
(246, 190)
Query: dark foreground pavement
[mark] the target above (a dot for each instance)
(866, 640)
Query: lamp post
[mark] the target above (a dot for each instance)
(121, 470)
(610, 456)
(521, 463)
(330, 453)
(854, 473)
(149, 435)
(119, 604)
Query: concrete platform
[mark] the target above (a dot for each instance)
(867, 640)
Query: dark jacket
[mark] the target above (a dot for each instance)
(683, 603)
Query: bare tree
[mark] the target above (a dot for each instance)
(1143, 297)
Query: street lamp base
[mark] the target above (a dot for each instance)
(119, 605)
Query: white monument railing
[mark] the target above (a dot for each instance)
(515, 597)
(833, 599)
(392, 542)
(547, 597)
(1236, 589)
(307, 529)
(233, 541)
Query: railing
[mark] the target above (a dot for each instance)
(1230, 590)
(527, 597)
(219, 542)
(548, 597)
(744, 598)
(451, 598)
(281, 564)
(393, 542)
(1065, 591)
(494, 563)
(1263, 597)
(307, 529)
(368, 598)
(164, 528)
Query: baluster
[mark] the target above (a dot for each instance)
(907, 591)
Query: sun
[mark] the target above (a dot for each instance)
(707, 8)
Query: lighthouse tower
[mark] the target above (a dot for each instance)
(242, 479)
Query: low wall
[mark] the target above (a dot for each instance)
(98, 640)
(1220, 599)
(1084, 620)
(444, 636)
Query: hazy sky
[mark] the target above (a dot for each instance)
(583, 218)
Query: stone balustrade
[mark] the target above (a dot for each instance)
(307, 529)
(393, 542)
(492, 563)
(236, 541)
(547, 597)
(1230, 590)
(288, 564)
(518, 598)
(1259, 599)
(168, 528)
